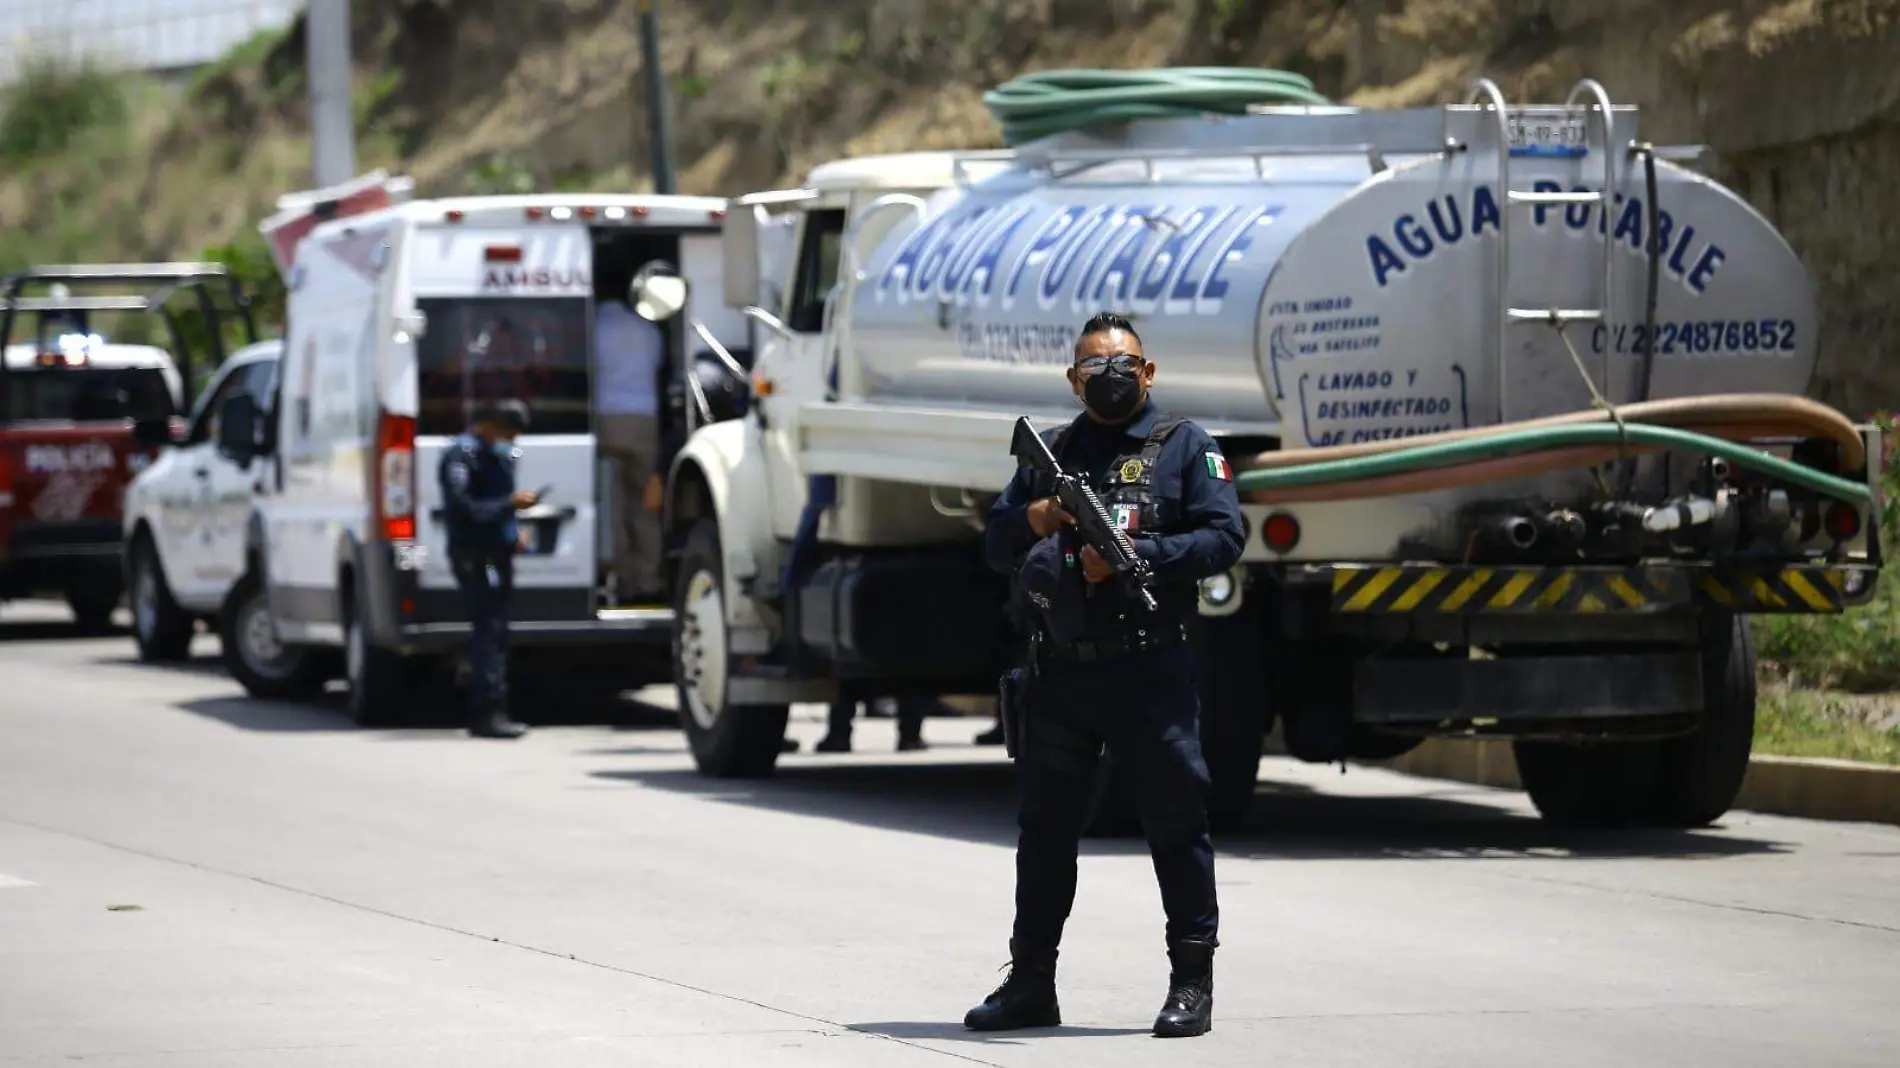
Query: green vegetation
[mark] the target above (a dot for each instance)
(1818, 670)
(64, 130)
(1859, 650)
(80, 145)
(54, 105)
(1812, 723)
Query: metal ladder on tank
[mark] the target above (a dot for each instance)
(1486, 91)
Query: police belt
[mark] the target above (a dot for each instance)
(1089, 652)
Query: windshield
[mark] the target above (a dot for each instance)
(86, 395)
(533, 349)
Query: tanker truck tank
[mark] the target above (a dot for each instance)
(1331, 276)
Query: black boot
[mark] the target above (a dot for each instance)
(1189, 1010)
(1026, 999)
(492, 722)
(993, 736)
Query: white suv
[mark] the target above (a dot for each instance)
(185, 516)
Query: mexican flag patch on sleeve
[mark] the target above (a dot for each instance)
(1217, 467)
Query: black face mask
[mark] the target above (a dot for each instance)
(1112, 395)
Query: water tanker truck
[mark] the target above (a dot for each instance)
(1513, 398)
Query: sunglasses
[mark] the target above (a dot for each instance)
(1095, 365)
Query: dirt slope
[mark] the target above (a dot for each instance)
(1799, 97)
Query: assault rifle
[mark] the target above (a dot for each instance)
(1078, 498)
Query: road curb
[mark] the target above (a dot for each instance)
(1784, 786)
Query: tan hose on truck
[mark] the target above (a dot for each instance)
(1735, 417)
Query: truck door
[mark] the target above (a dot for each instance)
(204, 498)
(795, 360)
(531, 343)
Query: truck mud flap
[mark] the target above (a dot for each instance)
(1415, 588)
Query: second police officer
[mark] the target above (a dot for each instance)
(1108, 672)
(478, 488)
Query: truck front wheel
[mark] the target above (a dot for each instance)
(727, 740)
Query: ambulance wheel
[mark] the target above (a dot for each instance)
(263, 665)
(728, 741)
(1701, 773)
(378, 678)
(160, 628)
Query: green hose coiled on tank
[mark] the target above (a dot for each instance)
(1541, 439)
(1057, 101)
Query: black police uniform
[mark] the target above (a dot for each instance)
(478, 485)
(1109, 672)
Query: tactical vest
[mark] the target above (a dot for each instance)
(1127, 487)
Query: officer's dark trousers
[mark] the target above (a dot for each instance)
(1144, 708)
(486, 580)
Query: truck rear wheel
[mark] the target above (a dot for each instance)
(1700, 774)
(1688, 781)
(161, 629)
(254, 656)
(1592, 784)
(727, 740)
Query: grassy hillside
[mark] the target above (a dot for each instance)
(1800, 97)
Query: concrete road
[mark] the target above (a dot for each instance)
(191, 878)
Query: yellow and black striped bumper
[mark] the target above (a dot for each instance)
(1525, 590)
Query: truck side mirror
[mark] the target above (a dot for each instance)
(739, 255)
(237, 429)
(658, 293)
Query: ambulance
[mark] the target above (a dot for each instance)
(402, 320)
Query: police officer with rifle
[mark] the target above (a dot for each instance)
(1107, 528)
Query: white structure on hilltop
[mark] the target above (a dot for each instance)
(160, 36)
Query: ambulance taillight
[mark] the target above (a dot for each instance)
(396, 476)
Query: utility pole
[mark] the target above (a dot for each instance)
(659, 135)
(332, 117)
